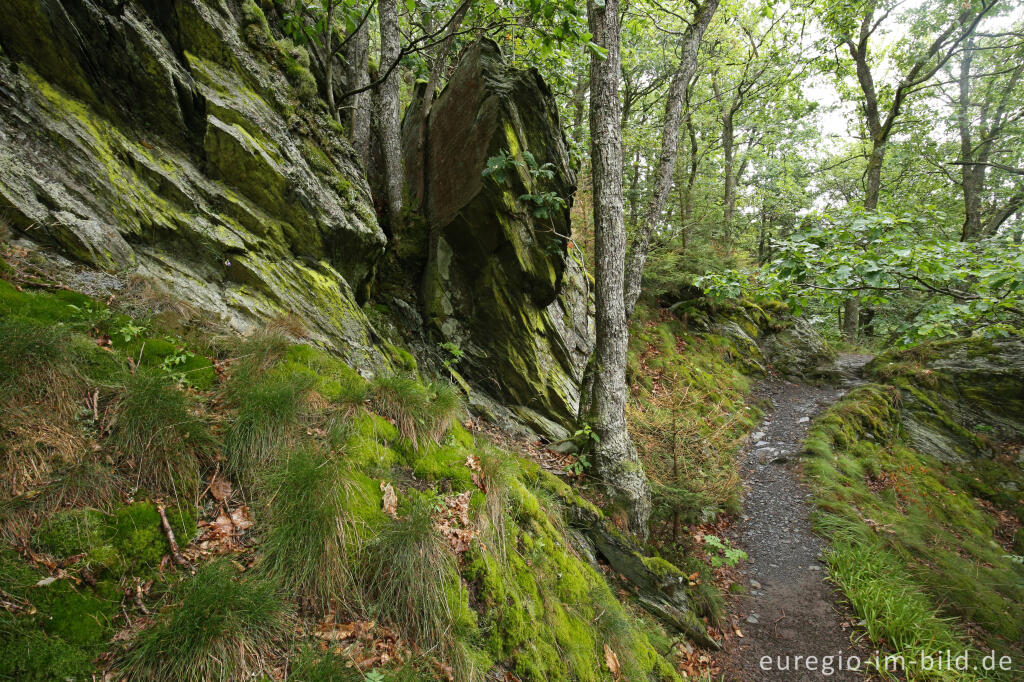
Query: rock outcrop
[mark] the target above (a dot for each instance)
(183, 142)
(959, 396)
(499, 278)
(166, 139)
(763, 335)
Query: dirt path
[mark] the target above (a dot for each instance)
(788, 611)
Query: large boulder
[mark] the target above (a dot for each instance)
(164, 139)
(498, 279)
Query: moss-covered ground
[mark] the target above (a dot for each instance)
(384, 537)
(923, 550)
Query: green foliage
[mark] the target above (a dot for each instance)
(221, 626)
(502, 167)
(937, 287)
(725, 553)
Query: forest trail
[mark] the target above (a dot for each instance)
(788, 609)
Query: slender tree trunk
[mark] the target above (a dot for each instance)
(388, 115)
(729, 186)
(669, 149)
(616, 460)
(329, 63)
(357, 56)
(970, 178)
(579, 103)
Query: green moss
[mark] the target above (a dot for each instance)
(444, 462)
(172, 357)
(137, 535)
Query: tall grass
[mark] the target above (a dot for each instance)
(268, 410)
(156, 434)
(407, 569)
(308, 539)
(892, 607)
(219, 627)
(419, 411)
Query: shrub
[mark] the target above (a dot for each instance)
(221, 627)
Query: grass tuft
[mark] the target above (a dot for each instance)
(306, 547)
(156, 434)
(407, 568)
(221, 627)
(419, 411)
(268, 410)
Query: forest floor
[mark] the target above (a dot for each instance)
(788, 612)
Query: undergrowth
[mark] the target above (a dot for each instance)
(687, 418)
(371, 508)
(919, 547)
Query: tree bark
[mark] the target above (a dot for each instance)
(851, 319)
(357, 56)
(329, 63)
(669, 149)
(615, 458)
(388, 115)
(970, 182)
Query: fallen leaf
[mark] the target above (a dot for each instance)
(473, 462)
(335, 632)
(738, 632)
(220, 488)
(611, 660)
(240, 518)
(46, 581)
(390, 502)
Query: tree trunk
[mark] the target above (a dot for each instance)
(729, 189)
(851, 318)
(388, 118)
(669, 149)
(357, 56)
(329, 63)
(970, 178)
(615, 458)
(579, 103)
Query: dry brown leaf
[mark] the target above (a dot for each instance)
(220, 488)
(611, 660)
(739, 633)
(240, 518)
(473, 462)
(390, 502)
(335, 632)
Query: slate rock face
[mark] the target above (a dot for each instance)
(497, 280)
(153, 138)
(969, 392)
(799, 351)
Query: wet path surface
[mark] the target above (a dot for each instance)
(789, 611)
